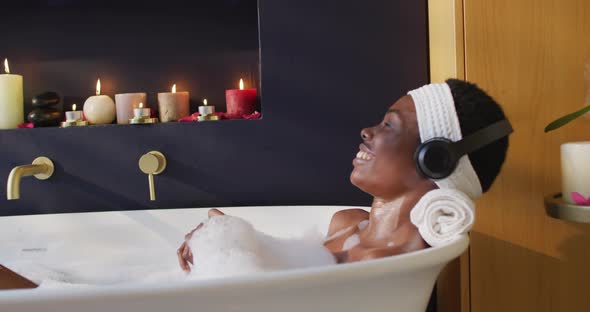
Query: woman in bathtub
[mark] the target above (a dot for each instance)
(398, 170)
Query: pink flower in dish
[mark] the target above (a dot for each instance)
(579, 199)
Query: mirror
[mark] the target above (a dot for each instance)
(203, 47)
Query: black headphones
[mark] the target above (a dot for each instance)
(437, 158)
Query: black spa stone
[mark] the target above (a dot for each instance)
(46, 99)
(45, 117)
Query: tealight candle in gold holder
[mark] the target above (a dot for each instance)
(142, 115)
(74, 118)
(207, 112)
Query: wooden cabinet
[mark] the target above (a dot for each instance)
(531, 56)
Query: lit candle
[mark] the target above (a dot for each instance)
(241, 101)
(173, 105)
(206, 109)
(126, 103)
(11, 99)
(99, 109)
(73, 115)
(141, 112)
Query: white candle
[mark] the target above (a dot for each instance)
(173, 105)
(126, 103)
(99, 109)
(575, 170)
(73, 115)
(11, 99)
(206, 109)
(141, 112)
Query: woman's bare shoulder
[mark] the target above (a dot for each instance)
(347, 218)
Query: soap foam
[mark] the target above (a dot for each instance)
(224, 246)
(227, 246)
(89, 269)
(350, 242)
(363, 224)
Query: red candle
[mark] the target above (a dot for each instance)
(240, 102)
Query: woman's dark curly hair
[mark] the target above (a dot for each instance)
(477, 110)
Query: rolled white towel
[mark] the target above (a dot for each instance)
(442, 215)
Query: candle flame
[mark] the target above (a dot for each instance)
(241, 84)
(205, 102)
(74, 107)
(6, 68)
(174, 88)
(98, 87)
(140, 105)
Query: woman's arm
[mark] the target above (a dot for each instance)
(344, 223)
(345, 218)
(184, 252)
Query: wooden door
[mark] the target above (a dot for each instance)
(530, 55)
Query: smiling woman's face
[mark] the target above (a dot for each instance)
(384, 166)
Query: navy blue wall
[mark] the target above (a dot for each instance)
(203, 46)
(328, 68)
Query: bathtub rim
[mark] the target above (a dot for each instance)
(431, 257)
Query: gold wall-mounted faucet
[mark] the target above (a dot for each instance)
(152, 163)
(42, 168)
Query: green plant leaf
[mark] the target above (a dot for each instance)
(560, 122)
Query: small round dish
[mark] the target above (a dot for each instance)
(558, 208)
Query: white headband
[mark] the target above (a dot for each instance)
(437, 117)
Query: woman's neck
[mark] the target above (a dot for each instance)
(387, 215)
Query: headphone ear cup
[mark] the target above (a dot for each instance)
(436, 159)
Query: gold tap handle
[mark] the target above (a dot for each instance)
(152, 163)
(152, 187)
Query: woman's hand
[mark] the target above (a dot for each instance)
(184, 252)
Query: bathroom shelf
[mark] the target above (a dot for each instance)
(558, 208)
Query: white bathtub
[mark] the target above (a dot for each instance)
(402, 283)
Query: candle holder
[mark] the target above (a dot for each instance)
(142, 120)
(142, 116)
(74, 119)
(74, 123)
(207, 112)
(210, 117)
(556, 207)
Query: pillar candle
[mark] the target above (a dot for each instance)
(99, 109)
(173, 105)
(241, 101)
(575, 171)
(125, 104)
(11, 99)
